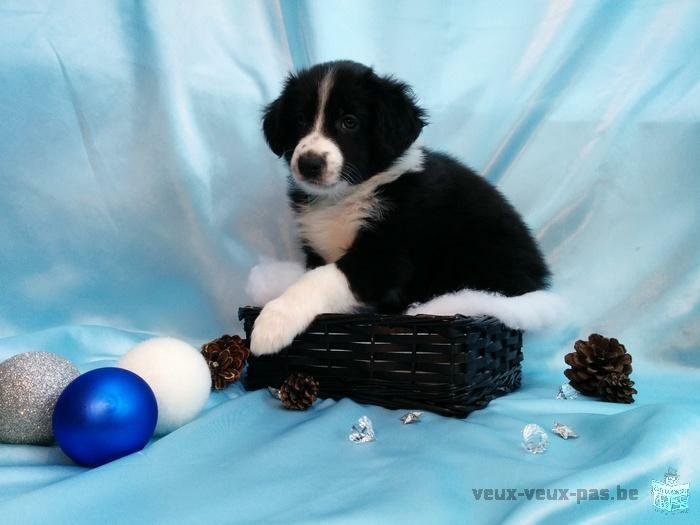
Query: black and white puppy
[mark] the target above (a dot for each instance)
(383, 221)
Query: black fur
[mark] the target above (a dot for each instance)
(443, 229)
(448, 229)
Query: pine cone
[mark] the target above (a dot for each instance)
(299, 391)
(226, 357)
(617, 388)
(593, 360)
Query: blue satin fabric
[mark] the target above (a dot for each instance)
(136, 192)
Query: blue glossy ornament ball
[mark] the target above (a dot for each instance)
(103, 415)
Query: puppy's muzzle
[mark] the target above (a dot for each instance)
(311, 166)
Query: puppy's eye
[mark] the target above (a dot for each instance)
(349, 122)
(301, 120)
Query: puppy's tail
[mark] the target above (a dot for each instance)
(530, 311)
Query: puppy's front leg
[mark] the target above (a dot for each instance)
(322, 290)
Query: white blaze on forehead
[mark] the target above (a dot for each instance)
(324, 89)
(317, 143)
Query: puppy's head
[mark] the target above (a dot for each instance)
(337, 124)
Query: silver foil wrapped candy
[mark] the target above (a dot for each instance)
(564, 431)
(411, 417)
(362, 431)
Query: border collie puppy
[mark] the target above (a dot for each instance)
(384, 222)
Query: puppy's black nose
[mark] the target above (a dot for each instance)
(310, 165)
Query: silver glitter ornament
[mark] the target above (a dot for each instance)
(30, 384)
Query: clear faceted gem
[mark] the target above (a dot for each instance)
(274, 392)
(566, 391)
(362, 431)
(535, 439)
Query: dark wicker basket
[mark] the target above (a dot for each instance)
(448, 365)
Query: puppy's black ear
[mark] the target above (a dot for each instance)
(273, 127)
(398, 119)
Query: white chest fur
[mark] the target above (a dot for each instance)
(330, 226)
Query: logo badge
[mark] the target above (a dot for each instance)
(669, 495)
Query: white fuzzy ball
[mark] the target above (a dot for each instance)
(178, 375)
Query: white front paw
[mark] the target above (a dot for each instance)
(274, 329)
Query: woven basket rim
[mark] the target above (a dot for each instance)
(388, 318)
(450, 365)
